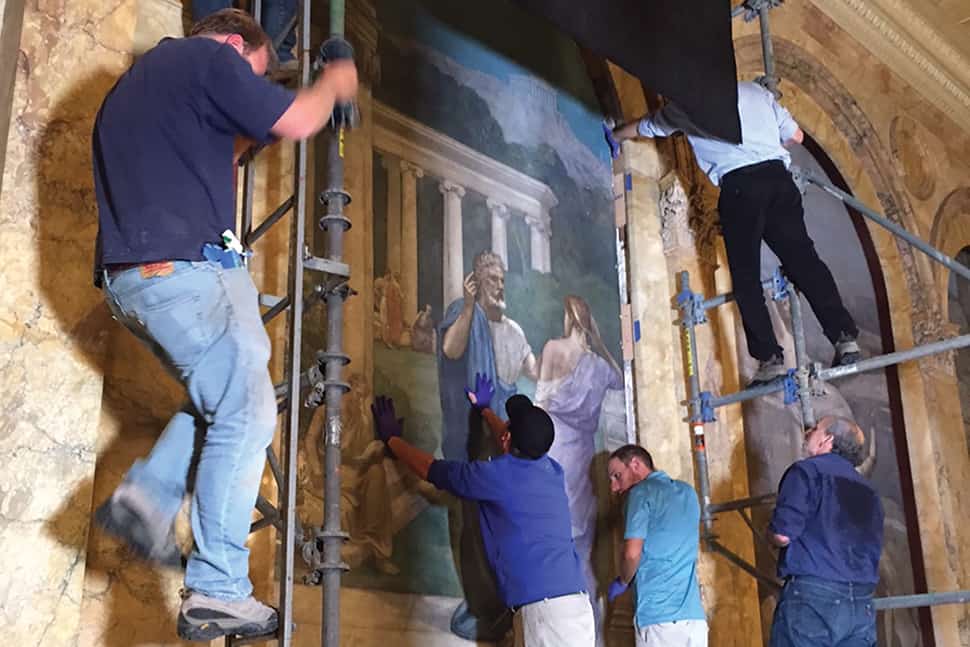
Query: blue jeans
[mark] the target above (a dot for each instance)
(203, 322)
(276, 15)
(814, 612)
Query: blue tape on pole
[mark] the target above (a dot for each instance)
(636, 330)
(791, 387)
(628, 182)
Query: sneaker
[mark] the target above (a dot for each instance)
(202, 618)
(129, 516)
(847, 351)
(769, 370)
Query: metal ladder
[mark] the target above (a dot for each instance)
(323, 378)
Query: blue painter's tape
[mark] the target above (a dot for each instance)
(636, 330)
(628, 182)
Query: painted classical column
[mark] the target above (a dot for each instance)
(452, 265)
(546, 240)
(500, 215)
(408, 179)
(539, 244)
(394, 215)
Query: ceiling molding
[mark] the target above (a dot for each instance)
(905, 41)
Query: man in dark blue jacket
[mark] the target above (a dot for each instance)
(828, 523)
(524, 517)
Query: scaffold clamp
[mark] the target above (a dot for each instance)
(691, 305)
(707, 409)
(779, 285)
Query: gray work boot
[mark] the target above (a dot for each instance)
(769, 370)
(847, 351)
(131, 517)
(203, 618)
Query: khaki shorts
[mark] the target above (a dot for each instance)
(566, 621)
(682, 633)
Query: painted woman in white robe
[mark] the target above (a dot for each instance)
(575, 372)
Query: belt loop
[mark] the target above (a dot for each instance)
(104, 277)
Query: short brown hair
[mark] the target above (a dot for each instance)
(628, 452)
(234, 21)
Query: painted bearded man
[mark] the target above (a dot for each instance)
(477, 337)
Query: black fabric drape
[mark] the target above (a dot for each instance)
(681, 49)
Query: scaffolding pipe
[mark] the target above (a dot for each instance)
(898, 357)
(876, 217)
(767, 49)
(920, 600)
(802, 368)
(720, 299)
(742, 563)
(335, 224)
(696, 415)
(741, 504)
(295, 315)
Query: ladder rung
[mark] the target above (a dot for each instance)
(327, 266)
(269, 300)
(237, 641)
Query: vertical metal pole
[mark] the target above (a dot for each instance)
(801, 361)
(767, 49)
(291, 434)
(696, 415)
(332, 537)
(249, 169)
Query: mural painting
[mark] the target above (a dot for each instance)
(493, 250)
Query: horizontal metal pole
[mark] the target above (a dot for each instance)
(741, 504)
(271, 220)
(748, 394)
(327, 266)
(721, 299)
(878, 218)
(921, 600)
(269, 300)
(279, 307)
(881, 361)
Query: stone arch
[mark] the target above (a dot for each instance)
(950, 234)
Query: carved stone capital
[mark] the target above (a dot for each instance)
(410, 168)
(674, 218)
(447, 186)
(497, 209)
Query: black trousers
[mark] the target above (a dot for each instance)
(761, 202)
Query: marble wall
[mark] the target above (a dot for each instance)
(53, 324)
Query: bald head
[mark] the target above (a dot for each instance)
(848, 441)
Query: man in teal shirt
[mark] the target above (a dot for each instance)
(659, 552)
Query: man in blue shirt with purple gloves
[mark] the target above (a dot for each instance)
(660, 545)
(163, 147)
(759, 201)
(828, 522)
(524, 517)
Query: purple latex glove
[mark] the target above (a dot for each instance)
(616, 589)
(387, 425)
(481, 397)
(611, 141)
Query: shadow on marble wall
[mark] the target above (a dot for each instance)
(125, 602)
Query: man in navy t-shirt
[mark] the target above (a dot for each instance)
(524, 513)
(828, 522)
(164, 171)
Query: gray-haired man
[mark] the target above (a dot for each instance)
(828, 523)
